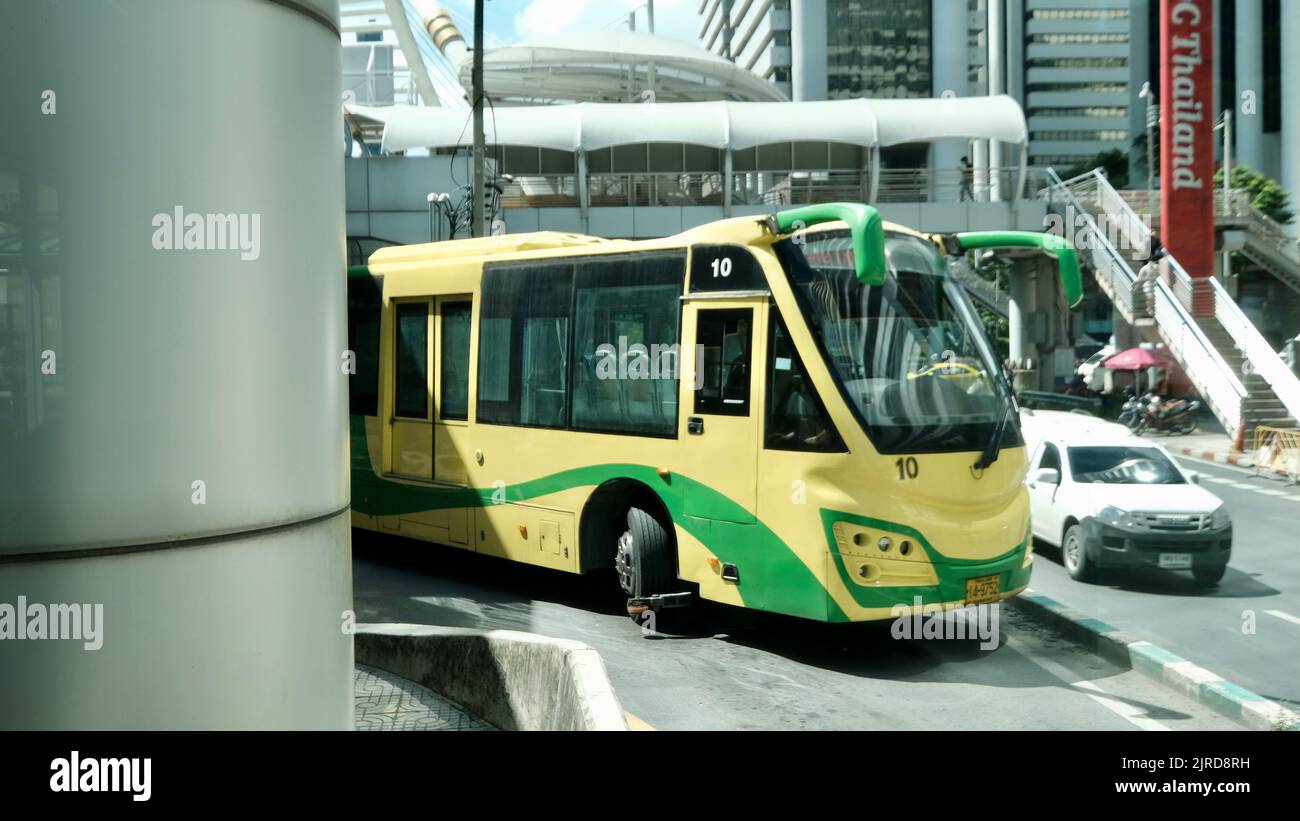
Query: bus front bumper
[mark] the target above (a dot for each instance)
(956, 584)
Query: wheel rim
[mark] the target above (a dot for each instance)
(1072, 553)
(624, 563)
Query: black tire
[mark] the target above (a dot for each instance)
(644, 557)
(1187, 426)
(1208, 576)
(1075, 556)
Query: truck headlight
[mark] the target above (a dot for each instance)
(1220, 518)
(1115, 517)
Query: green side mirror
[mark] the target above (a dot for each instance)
(866, 228)
(1067, 261)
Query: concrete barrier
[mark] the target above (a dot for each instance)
(515, 681)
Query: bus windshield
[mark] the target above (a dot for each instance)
(910, 356)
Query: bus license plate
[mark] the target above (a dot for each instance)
(1175, 561)
(983, 589)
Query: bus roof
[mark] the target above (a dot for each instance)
(548, 240)
(484, 246)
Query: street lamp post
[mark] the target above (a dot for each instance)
(478, 227)
(1225, 267)
(1153, 119)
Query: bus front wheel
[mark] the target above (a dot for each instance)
(644, 558)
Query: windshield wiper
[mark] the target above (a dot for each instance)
(994, 446)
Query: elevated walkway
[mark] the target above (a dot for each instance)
(1240, 377)
(1242, 227)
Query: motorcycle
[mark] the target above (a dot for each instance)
(1131, 413)
(1172, 416)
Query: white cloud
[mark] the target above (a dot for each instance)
(673, 18)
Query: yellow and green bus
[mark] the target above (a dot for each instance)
(798, 413)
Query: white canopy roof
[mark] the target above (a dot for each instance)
(590, 65)
(721, 124)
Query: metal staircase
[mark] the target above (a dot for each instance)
(1242, 379)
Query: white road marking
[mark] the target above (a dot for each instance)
(1284, 616)
(1216, 479)
(1268, 491)
(1124, 710)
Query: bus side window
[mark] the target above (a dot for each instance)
(412, 361)
(364, 298)
(724, 338)
(455, 361)
(524, 343)
(796, 417)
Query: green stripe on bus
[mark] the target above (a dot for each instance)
(773, 577)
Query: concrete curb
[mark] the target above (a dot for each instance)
(1241, 460)
(515, 681)
(1126, 650)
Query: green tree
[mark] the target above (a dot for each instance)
(1265, 194)
(1114, 162)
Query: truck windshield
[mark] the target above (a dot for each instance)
(1123, 466)
(910, 356)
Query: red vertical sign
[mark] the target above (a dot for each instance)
(1187, 139)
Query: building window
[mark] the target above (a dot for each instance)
(878, 49)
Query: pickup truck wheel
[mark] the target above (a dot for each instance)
(1075, 557)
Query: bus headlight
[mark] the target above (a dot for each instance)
(1220, 518)
(1114, 517)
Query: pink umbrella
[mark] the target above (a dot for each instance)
(1138, 359)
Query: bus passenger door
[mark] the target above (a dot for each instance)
(719, 432)
(411, 440)
(451, 414)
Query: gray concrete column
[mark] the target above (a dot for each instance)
(948, 52)
(1020, 310)
(186, 485)
(808, 50)
(1249, 114)
(1291, 104)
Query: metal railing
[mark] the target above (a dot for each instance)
(1232, 207)
(1213, 378)
(771, 187)
(674, 188)
(952, 184)
(801, 187)
(1256, 354)
(541, 191)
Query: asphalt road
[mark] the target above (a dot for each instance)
(739, 670)
(1261, 589)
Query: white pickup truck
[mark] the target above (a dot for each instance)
(1109, 499)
